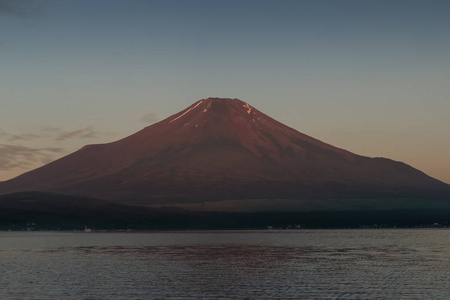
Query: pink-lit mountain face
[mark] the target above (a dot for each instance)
(223, 149)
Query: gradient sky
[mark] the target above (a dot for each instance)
(372, 77)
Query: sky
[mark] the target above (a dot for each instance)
(369, 76)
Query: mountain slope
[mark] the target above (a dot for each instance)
(220, 149)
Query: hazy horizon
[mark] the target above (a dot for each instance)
(369, 77)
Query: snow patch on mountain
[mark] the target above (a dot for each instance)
(187, 111)
(249, 108)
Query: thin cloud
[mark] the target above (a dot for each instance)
(53, 133)
(3, 134)
(23, 137)
(17, 137)
(149, 118)
(18, 8)
(17, 156)
(59, 134)
(86, 132)
(52, 129)
(7, 7)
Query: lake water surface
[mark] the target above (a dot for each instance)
(300, 264)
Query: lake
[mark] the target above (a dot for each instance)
(289, 264)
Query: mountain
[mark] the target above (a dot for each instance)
(220, 150)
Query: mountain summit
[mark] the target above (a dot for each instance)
(223, 149)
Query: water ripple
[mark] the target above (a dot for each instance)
(255, 265)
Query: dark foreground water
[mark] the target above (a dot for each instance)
(316, 264)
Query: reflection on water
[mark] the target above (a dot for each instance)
(328, 264)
